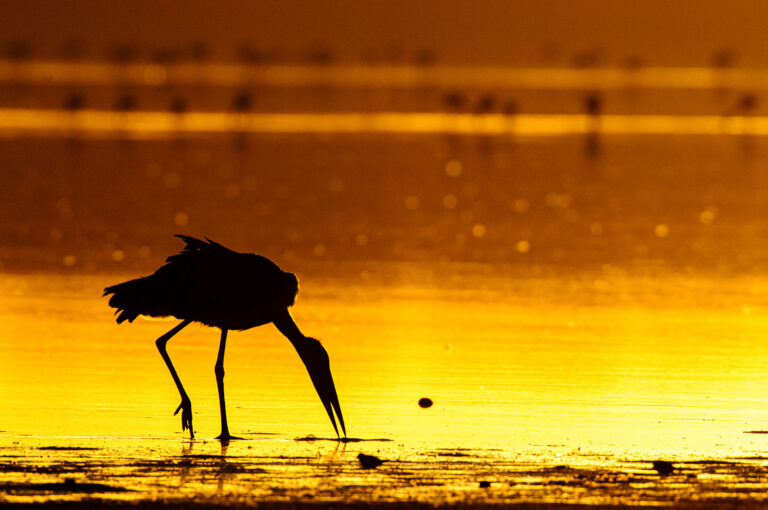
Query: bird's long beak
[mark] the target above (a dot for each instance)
(315, 358)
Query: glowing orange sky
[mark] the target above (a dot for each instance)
(659, 32)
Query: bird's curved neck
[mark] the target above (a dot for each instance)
(286, 325)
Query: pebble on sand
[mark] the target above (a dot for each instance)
(663, 467)
(369, 461)
(425, 402)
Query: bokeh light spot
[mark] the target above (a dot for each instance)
(522, 205)
(181, 219)
(154, 75)
(232, 191)
(707, 216)
(453, 168)
(171, 180)
(412, 202)
(558, 200)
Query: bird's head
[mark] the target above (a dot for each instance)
(315, 358)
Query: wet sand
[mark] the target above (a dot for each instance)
(280, 473)
(539, 432)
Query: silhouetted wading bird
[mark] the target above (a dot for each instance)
(222, 288)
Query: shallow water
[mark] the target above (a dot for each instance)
(576, 307)
(549, 388)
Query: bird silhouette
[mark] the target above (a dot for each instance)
(211, 284)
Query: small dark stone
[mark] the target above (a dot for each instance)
(369, 461)
(485, 484)
(663, 467)
(425, 402)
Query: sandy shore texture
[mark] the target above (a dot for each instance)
(320, 474)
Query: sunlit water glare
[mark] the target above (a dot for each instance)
(525, 375)
(575, 307)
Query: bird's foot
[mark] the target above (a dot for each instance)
(186, 416)
(225, 437)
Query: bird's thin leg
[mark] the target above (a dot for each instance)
(219, 370)
(186, 406)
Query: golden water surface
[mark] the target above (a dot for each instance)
(574, 275)
(552, 389)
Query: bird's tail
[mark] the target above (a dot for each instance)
(132, 298)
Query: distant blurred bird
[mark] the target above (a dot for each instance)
(242, 102)
(663, 467)
(222, 288)
(485, 104)
(593, 105)
(454, 100)
(745, 105)
(178, 105)
(126, 103)
(74, 102)
(369, 461)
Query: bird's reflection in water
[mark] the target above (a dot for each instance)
(184, 464)
(331, 465)
(224, 471)
(201, 468)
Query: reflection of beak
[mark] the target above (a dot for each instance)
(315, 358)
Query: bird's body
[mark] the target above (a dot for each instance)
(210, 284)
(222, 288)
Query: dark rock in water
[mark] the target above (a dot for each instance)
(425, 402)
(663, 467)
(485, 484)
(369, 461)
